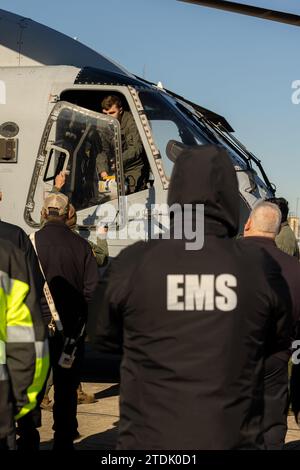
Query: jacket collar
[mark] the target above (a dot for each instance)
(262, 240)
(55, 223)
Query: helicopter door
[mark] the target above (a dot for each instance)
(73, 142)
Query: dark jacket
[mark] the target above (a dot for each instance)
(71, 271)
(193, 324)
(290, 270)
(19, 238)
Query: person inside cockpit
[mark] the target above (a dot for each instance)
(136, 167)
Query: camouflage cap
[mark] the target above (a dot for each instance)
(56, 204)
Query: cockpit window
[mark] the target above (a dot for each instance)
(169, 123)
(174, 120)
(243, 160)
(73, 141)
(77, 147)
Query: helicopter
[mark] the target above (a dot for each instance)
(51, 87)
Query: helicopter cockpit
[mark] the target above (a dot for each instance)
(75, 131)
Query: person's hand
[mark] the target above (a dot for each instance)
(60, 180)
(102, 229)
(103, 175)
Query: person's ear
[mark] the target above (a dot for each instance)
(43, 214)
(247, 226)
(71, 211)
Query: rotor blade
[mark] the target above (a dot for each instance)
(249, 10)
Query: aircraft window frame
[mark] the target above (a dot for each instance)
(84, 134)
(43, 157)
(59, 167)
(238, 148)
(90, 97)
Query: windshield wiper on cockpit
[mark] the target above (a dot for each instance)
(222, 132)
(242, 150)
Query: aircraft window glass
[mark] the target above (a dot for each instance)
(241, 153)
(236, 150)
(169, 123)
(9, 129)
(134, 158)
(78, 147)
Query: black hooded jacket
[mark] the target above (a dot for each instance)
(194, 325)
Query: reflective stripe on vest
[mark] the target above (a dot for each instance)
(20, 334)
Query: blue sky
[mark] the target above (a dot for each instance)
(238, 66)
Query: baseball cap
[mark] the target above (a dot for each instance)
(56, 204)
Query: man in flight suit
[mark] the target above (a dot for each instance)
(193, 325)
(135, 162)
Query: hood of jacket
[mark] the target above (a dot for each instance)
(205, 175)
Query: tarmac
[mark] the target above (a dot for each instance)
(98, 422)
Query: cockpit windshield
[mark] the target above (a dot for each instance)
(168, 122)
(173, 119)
(243, 160)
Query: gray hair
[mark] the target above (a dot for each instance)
(266, 217)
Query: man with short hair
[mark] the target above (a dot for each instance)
(71, 272)
(285, 239)
(261, 229)
(136, 167)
